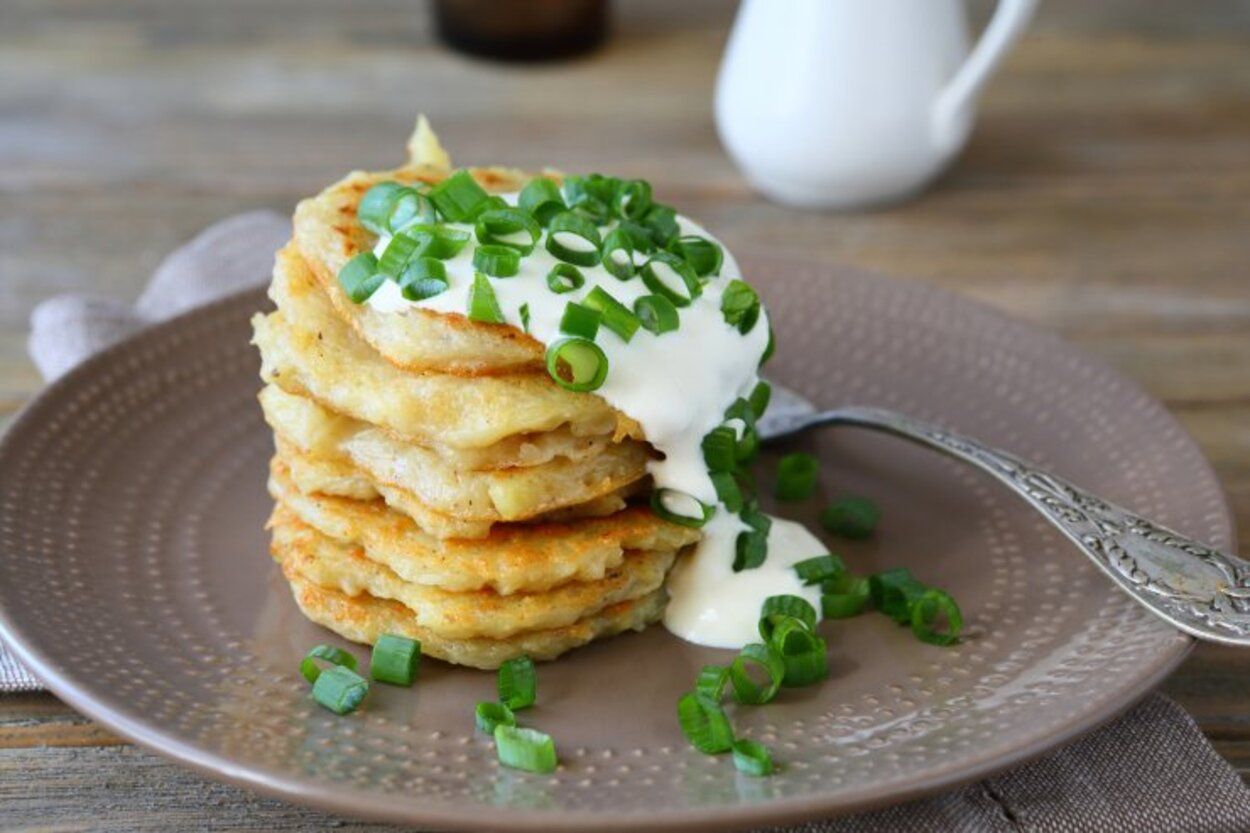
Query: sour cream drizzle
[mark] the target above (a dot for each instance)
(677, 386)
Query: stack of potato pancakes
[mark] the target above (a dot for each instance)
(430, 479)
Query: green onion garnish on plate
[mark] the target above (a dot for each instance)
(785, 606)
(360, 277)
(751, 546)
(720, 449)
(399, 250)
(656, 313)
(640, 239)
(802, 651)
(633, 199)
(618, 255)
(340, 689)
(518, 683)
(410, 207)
(509, 227)
(926, 610)
(573, 239)
(751, 758)
(482, 304)
(668, 275)
(524, 312)
(796, 476)
(680, 508)
(577, 364)
(395, 659)
(565, 277)
(759, 398)
(844, 596)
(526, 749)
(712, 681)
(741, 306)
(458, 196)
(661, 222)
(851, 517)
(728, 490)
(819, 569)
(497, 261)
(704, 724)
(490, 714)
(541, 198)
(894, 591)
(492, 203)
(581, 321)
(616, 316)
(423, 278)
(442, 242)
(374, 209)
(745, 686)
(704, 256)
(310, 667)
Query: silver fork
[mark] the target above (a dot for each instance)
(1200, 590)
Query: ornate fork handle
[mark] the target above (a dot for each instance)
(1200, 590)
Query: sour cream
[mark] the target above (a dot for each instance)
(677, 386)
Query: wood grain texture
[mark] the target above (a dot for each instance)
(1105, 194)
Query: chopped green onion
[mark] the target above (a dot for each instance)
(526, 749)
(760, 395)
(893, 592)
(616, 316)
(396, 255)
(442, 242)
(340, 689)
(751, 758)
(769, 348)
(411, 206)
(640, 239)
(577, 364)
(785, 606)
(618, 255)
(668, 275)
(592, 196)
(712, 681)
(656, 313)
(728, 490)
(483, 305)
(740, 305)
(311, 669)
(680, 508)
(573, 239)
(509, 227)
(524, 312)
(492, 203)
(720, 449)
(518, 683)
(661, 221)
(633, 199)
(541, 198)
(360, 277)
(395, 659)
(565, 277)
(746, 689)
(424, 278)
(844, 596)
(490, 714)
(704, 724)
(820, 569)
(851, 517)
(751, 546)
(497, 261)
(796, 476)
(802, 651)
(925, 611)
(741, 416)
(704, 256)
(581, 321)
(457, 196)
(374, 209)
(595, 210)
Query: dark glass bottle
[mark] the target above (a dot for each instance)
(522, 30)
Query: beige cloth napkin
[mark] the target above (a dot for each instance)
(1150, 770)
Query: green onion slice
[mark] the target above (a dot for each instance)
(668, 275)
(759, 398)
(340, 689)
(578, 189)
(785, 606)
(457, 196)
(802, 651)
(374, 209)
(395, 659)
(751, 758)
(424, 278)
(661, 221)
(746, 688)
(526, 749)
(741, 306)
(712, 681)
(573, 239)
(541, 198)
(852, 517)
(311, 668)
(360, 277)
(844, 596)
(497, 261)
(640, 239)
(411, 206)
(401, 249)
(751, 546)
(769, 348)
(741, 417)
(618, 255)
(796, 476)
(893, 592)
(565, 277)
(820, 569)
(728, 490)
(656, 313)
(489, 714)
(577, 364)
(704, 256)
(509, 227)
(442, 242)
(492, 203)
(518, 683)
(482, 304)
(581, 321)
(704, 724)
(680, 508)
(524, 312)
(720, 449)
(927, 609)
(633, 199)
(616, 316)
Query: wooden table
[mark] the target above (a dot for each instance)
(1105, 194)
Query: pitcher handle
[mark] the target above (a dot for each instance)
(1004, 28)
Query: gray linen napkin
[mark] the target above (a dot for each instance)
(1150, 770)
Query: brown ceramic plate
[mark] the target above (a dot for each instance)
(134, 581)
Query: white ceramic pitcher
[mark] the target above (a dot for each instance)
(845, 103)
